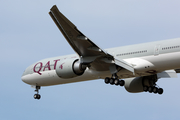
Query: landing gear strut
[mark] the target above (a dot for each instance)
(37, 95)
(114, 80)
(149, 85)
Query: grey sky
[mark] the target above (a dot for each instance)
(28, 34)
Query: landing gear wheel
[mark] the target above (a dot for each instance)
(121, 82)
(116, 82)
(150, 89)
(155, 90)
(107, 80)
(149, 84)
(111, 81)
(37, 96)
(145, 88)
(160, 91)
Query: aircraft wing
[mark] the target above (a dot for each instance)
(82, 45)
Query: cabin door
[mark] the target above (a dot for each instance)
(156, 50)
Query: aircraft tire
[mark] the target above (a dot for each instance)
(111, 81)
(145, 88)
(37, 96)
(107, 80)
(160, 91)
(116, 82)
(121, 82)
(150, 89)
(155, 90)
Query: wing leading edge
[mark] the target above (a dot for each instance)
(88, 51)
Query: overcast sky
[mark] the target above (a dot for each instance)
(28, 34)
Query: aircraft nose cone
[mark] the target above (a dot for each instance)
(23, 79)
(28, 79)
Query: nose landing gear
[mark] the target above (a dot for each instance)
(37, 95)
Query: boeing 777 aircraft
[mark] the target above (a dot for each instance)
(136, 67)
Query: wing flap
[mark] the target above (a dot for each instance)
(124, 64)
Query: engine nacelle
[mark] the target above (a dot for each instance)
(134, 85)
(70, 68)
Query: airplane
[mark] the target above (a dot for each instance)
(136, 67)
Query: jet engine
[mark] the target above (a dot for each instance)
(140, 84)
(134, 85)
(70, 68)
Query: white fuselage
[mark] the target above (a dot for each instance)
(147, 59)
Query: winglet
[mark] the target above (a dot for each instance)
(54, 11)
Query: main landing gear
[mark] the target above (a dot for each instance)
(37, 95)
(153, 89)
(149, 85)
(114, 80)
